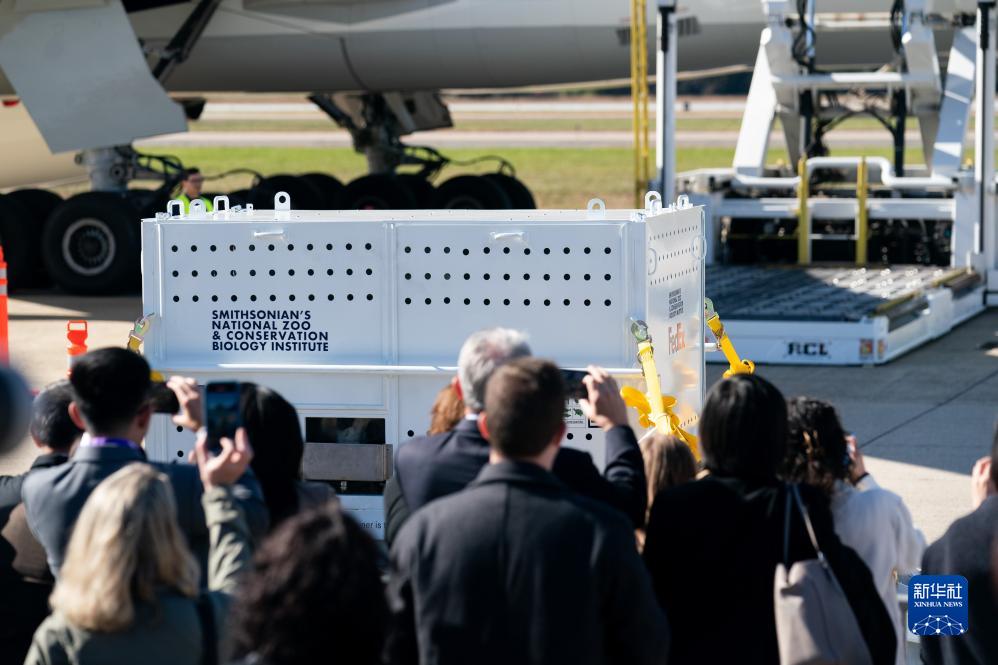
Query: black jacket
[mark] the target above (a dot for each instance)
(25, 582)
(968, 548)
(53, 498)
(429, 467)
(519, 569)
(712, 546)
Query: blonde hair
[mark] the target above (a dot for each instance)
(668, 462)
(126, 544)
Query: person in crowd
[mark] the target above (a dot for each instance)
(517, 568)
(191, 185)
(668, 462)
(111, 389)
(447, 411)
(427, 468)
(970, 548)
(314, 595)
(128, 591)
(274, 431)
(25, 580)
(713, 545)
(872, 521)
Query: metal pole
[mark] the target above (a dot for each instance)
(984, 160)
(900, 114)
(639, 97)
(807, 98)
(665, 100)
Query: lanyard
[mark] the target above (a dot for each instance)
(110, 442)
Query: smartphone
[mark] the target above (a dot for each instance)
(163, 399)
(574, 387)
(221, 412)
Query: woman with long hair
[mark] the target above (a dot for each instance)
(272, 425)
(447, 410)
(128, 589)
(869, 519)
(314, 595)
(669, 462)
(712, 545)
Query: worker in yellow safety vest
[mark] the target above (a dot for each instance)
(190, 188)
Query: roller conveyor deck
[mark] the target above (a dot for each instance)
(840, 315)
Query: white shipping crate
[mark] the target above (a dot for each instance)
(356, 317)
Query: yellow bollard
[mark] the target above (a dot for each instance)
(803, 217)
(639, 98)
(736, 364)
(862, 214)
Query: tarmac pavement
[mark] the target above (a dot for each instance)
(921, 420)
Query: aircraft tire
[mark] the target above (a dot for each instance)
(473, 193)
(19, 242)
(329, 187)
(240, 197)
(39, 203)
(91, 244)
(422, 190)
(379, 191)
(518, 193)
(304, 195)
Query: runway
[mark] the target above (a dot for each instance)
(477, 139)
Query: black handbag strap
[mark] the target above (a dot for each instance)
(786, 527)
(209, 635)
(794, 493)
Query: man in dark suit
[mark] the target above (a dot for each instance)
(430, 467)
(970, 548)
(111, 390)
(517, 568)
(25, 580)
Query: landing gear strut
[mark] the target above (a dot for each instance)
(377, 122)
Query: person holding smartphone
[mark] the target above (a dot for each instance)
(430, 467)
(111, 402)
(138, 599)
(873, 521)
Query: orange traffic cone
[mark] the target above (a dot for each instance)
(4, 347)
(76, 333)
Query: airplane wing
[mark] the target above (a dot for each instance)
(77, 67)
(26, 158)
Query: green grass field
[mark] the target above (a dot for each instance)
(558, 177)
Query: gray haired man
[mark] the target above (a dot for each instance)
(429, 467)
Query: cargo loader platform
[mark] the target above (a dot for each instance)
(811, 315)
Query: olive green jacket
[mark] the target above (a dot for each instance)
(166, 632)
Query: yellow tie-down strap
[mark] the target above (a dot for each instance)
(135, 337)
(736, 364)
(654, 409)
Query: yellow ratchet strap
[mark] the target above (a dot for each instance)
(737, 364)
(654, 409)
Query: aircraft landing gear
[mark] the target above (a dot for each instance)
(377, 122)
(38, 204)
(91, 244)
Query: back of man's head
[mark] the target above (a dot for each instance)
(51, 425)
(110, 387)
(481, 354)
(524, 407)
